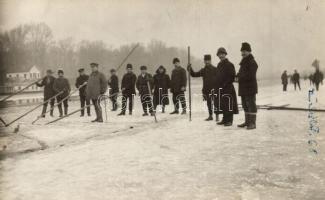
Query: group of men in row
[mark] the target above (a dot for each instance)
(218, 89)
(315, 79)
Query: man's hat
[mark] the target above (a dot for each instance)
(207, 57)
(113, 70)
(81, 70)
(221, 50)
(94, 64)
(245, 47)
(60, 71)
(129, 66)
(49, 71)
(175, 60)
(143, 67)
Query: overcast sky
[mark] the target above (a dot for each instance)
(284, 34)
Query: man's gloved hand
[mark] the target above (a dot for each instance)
(189, 67)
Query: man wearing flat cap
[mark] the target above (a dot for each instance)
(145, 91)
(247, 86)
(128, 89)
(62, 84)
(96, 86)
(178, 86)
(226, 101)
(47, 82)
(114, 89)
(209, 75)
(81, 83)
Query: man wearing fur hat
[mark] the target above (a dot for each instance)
(247, 86)
(210, 76)
(145, 91)
(62, 84)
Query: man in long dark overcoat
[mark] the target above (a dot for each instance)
(247, 86)
(226, 98)
(96, 87)
(114, 89)
(62, 84)
(284, 80)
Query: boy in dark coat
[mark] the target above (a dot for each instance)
(62, 84)
(247, 86)
(81, 83)
(210, 76)
(114, 90)
(161, 86)
(178, 86)
(49, 92)
(226, 97)
(284, 79)
(128, 89)
(296, 79)
(96, 87)
(144, 90)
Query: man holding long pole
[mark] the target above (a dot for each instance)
(178, 86)
(81, 80)
(62, 84)
(96, 86)
(47, 82)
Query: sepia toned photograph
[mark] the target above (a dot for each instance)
(162, 100)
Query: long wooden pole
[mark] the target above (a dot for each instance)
(26, 113)
(20, 91)
(123, 61)
(189, 84)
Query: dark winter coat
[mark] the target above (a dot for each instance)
(178, 80)
(79, 81)
(62, 84)
(113, 83)
(128, 83)
(295, 77)
(96, 86)
(209, 75)
(284, 78)
(161, 86)
(142, 84)
(318, 77)
(226, 91)
(47, 82)
(247, 82)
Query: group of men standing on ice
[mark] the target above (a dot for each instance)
(218, 89)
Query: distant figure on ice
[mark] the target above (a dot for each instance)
(96, 86)
(178, 86)
(145, 90)
(284, 79)
(62, 84)
(210, 76)
(247, 85)
(80, 81)
(161, 86)
(128, 89)
(49, 92)
(296, 79)
(227, 98)
(113, 92)
(318, 78)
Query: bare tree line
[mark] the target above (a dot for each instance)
(33, 44)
